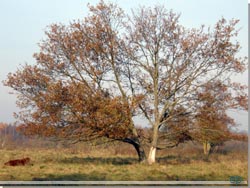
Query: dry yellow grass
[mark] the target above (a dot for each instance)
(66, 164)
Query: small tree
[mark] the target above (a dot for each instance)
(214, 126)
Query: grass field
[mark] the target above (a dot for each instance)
(102, 164)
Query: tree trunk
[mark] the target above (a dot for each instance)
(140, 152)
(139, 149)
(151, 155)
(152, 151)
(206, 148)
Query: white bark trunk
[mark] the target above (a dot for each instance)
(206, 148)
(151, 156)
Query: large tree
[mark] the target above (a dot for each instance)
(151, 65)
(169, 63)
(65, 93)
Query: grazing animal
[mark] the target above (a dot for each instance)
(18, 162)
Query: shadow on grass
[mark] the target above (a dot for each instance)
(94, 176)
(155, 175)
(173, 159)
(100, 160)
(177, 159)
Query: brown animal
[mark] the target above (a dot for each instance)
(18, 162)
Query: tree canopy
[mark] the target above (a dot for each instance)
(94, 75)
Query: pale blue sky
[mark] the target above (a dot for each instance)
(23, 24)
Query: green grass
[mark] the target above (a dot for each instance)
(62, 164)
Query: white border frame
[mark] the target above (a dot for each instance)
(120, 183)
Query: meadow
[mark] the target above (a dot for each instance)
(119, 162)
